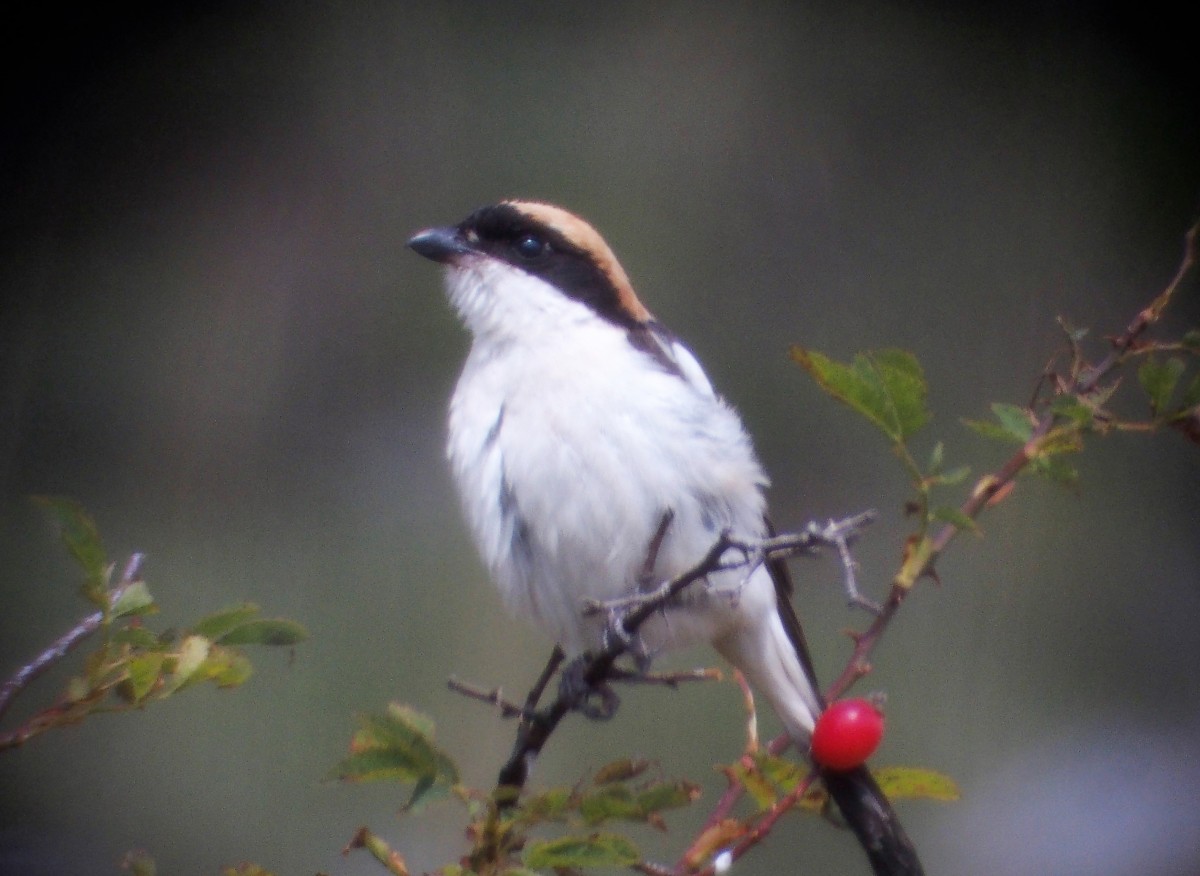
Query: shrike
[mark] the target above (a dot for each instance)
(587, 444)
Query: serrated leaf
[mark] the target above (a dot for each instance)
(1071, 408)
(620, 770)
(581, 852)
(138, 637)
(82, 540)
(668, 795)
(915, 783)
(1159, 379)
(134, 599)
(785, 774)
(278, 631)
(397, 746)
(380, 764)
(226, 667)
(1056, 469)
(1014, 420)
(885, 386)
(216, 625)
(1063, 439)
(617, 801)
(609, 802)
(551, 805)
(760, 789)
(955, 517)
(144, 672)
(713, 839)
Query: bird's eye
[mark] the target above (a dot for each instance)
(530, 246)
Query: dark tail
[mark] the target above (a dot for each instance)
(869, 814)
(860, 799)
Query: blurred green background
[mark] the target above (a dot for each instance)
(214, 337)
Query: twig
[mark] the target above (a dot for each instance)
(62, 646)
(756, 834)
(993, 487)
(492, 697)
(665, 679)
(988, 490)
(537, 726)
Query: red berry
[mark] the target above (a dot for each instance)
(846, 734)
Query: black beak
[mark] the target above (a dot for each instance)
(445, 245)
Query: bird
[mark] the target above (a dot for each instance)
(594, 459)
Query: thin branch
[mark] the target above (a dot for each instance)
(492, 697)
(65, 643)
(989, 490)
(597, 669)
(994, 487)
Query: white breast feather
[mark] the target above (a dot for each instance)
(568, 446)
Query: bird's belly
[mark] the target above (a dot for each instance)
(581, 506)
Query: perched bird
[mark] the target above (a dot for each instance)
(594, 459)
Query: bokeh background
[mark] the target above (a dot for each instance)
(214, 337)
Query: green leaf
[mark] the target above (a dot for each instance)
(1158, 379)
(216, 625)
(581, 852)
(398, 746)
(885, 386)
(611, 801)
(662, 796)
(1056, 470)
(144, 673)
(761, 791)
(620, 770)
(785, 774)
(988, 429)
(551, 805)
(1191, 340)
(138, 637)
(1013, 425)
(767, 778)
(915, 783)
(265, 632)
(1014, 420)
(952, 477)
(1191, 396)
(1071, 408)
(225, 667)
(1062, 439)
(82, 540)
(955, 517)
(135, 599)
